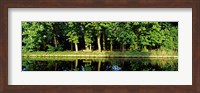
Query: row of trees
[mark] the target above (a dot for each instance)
(133, 36)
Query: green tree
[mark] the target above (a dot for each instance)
(171, 36)
(125, 35)
(111, 32)
(30, 37)
(88, 35)
(97, 28)
(73, 33)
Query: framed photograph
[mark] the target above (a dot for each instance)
(99, 46)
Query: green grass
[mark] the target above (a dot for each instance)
(157, 53)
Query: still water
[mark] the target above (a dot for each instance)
(100, 64)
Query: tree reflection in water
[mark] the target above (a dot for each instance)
(114, 64)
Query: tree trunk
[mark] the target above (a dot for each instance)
(71, 46)
(55, 40)
(76, 46)
(104, 42)
(123, 47)
(86, 47)
(90, 47)
(111, 46)
(99, 41)
(120, 47)
(44, 46)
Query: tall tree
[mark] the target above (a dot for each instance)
(73, 33)
(125, 35)
(96, 27)
(88, 35)
(111, 32)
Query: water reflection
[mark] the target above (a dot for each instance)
(108, 64)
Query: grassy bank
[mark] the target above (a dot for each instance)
(101, 54)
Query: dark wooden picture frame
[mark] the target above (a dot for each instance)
(5, 4)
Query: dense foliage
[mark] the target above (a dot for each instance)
(110, 36)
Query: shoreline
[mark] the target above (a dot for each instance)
(102, 54)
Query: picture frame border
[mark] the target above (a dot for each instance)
(6, 4)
